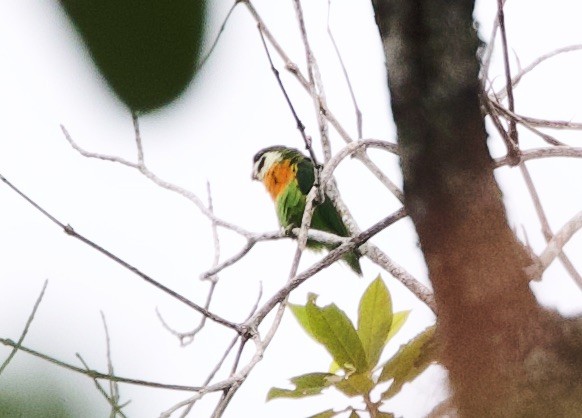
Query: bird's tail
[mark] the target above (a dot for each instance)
(353, 260)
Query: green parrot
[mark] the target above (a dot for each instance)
(288, 175)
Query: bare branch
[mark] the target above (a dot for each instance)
(512, 150)
(98, 375)
(511, 116)
(554, 247)
(70, 231)
(218, 35)
(115, 408)
(551, 124)
(17, 346)
(537, 153)
(300, 125)
(188, 337)
(345, 73)
(328, 259)
(113, 386)
(422, 292)
(316, 90)
(546, 230)
(502, 93)
(155, 179)
(267, 236)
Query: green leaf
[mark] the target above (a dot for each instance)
(398, 319)
(374, 320)
(334, 367)
(146, 50)
(409, 362)
(354, 414)
(309, 384)
(356, 384)
(381, 414)
(332, 328)
(325, 414)
(300, 313)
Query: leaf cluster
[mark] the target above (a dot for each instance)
(356, 352)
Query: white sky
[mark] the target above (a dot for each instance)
(233, 109)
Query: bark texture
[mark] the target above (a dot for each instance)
(503, 352)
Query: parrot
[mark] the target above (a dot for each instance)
(288, 175)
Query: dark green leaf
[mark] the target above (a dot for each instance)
(398, 319)
(332, 328)
(354, 414)
(147, 50)
(374, 320)
(410, 361)
(305, 385)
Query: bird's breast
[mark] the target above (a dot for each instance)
(278, 177)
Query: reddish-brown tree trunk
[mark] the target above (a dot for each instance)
(489, 323)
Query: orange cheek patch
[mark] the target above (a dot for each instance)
(278, 177)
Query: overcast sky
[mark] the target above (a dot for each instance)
(232, 109)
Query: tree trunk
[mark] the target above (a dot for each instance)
(489, 323)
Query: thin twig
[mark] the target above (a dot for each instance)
(346, 75)
(510, 99)
(517, 78)
(537, 153)
(98, 375)
(217, 38)
(115, 408)
(554, 247)
(551, 124)
(316, 90)
(189, 403)
(300, 125)
(71, 232)
(156, 180)
(488, 52)
(512, 116)
(546, 230)
(25, 330)
(328, 259)
(113, 386)
(512, 139)
(187, 338)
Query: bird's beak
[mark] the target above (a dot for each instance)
(254, 176)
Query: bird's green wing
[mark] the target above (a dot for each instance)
(305, 174)
(290, 206)
(327, 218)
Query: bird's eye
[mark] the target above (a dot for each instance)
(261, 164)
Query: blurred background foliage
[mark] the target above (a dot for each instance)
(146, 50)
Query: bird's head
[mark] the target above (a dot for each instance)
(265, 158)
